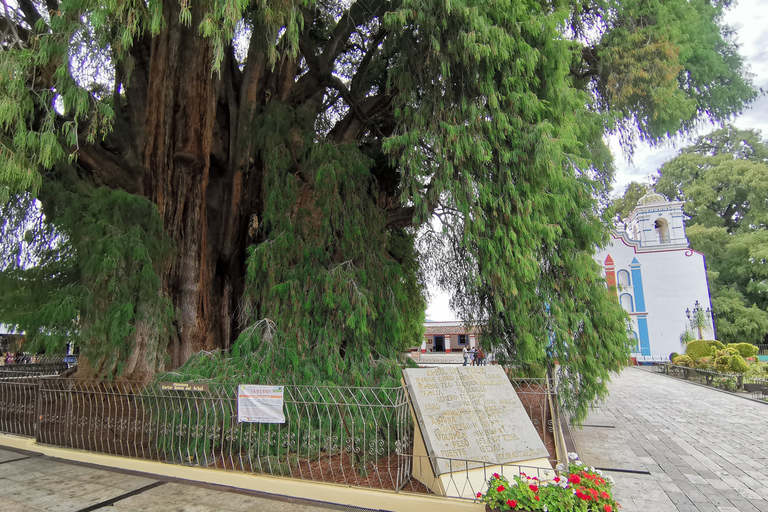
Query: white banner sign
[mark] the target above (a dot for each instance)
(260, 404)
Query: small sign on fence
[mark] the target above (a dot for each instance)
(183, 386)
(260, 404)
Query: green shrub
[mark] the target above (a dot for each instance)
(698, 349)
(673, 355)
(717, 345)
(732, 351)
(757, 370)
(683, 361)
(706, 363)
(745, 349)
(722, 363)
(738, 364)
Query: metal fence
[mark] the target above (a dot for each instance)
(758, 388)
(353, 436)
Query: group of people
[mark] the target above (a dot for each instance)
(474, 356)
(17, 358)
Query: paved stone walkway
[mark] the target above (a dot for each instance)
(30, 482)
(702, 450)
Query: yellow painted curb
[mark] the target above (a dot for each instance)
(333, 493)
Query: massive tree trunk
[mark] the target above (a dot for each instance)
(188, 131)
(177, 142)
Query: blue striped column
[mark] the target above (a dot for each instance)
(642, 317)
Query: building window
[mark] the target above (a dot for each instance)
(662, 228)
(626, 302)
(463, 339)
(623, 278)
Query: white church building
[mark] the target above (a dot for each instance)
(656, 275)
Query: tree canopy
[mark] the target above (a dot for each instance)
(259, 175)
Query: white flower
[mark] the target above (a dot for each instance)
(577, 462)
(597, 471)
(573, 456)
(560, 467)
(610, 479)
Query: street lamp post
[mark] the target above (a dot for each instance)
(698, 316)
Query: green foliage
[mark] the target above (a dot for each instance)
(747, 349)
(717, 345)
(656, 69)
(737, 364)
(683, 361)
(99, 298)
(724, 179)
(686, 337)
(623, 206)
(698, 349)
(673, 355)
(756, 371)
(723, 362)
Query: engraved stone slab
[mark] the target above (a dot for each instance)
(471, 413)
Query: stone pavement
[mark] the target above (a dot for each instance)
(682, 447)
(30, 482)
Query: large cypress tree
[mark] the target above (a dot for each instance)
(254, 174)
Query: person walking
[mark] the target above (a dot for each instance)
(465, 353)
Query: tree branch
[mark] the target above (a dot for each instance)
(109, 169)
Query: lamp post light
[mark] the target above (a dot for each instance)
(698, 316)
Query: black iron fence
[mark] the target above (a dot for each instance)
(735, 382)
(354, 436)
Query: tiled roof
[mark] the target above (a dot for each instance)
(449, 329)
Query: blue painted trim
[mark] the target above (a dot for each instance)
(645, 342)
(637, 279)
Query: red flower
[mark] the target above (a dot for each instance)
(534, 488)
(574, 479)
(512, 503)
(608, 508)
(604, 495)
(557, 479)
(500, 488)
(593, 492)
(536, 498)
(479, 494)
(495, 475)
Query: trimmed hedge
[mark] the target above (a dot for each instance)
(745, 349)
(738, 364)
(683, 361)
(698, 349)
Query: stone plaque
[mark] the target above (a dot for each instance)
(471, 413)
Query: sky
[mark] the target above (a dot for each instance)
(749, 18)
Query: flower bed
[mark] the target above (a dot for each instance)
(581, 489)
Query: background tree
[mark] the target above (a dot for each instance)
(724, 179)
(289, 152)
(623, 206)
